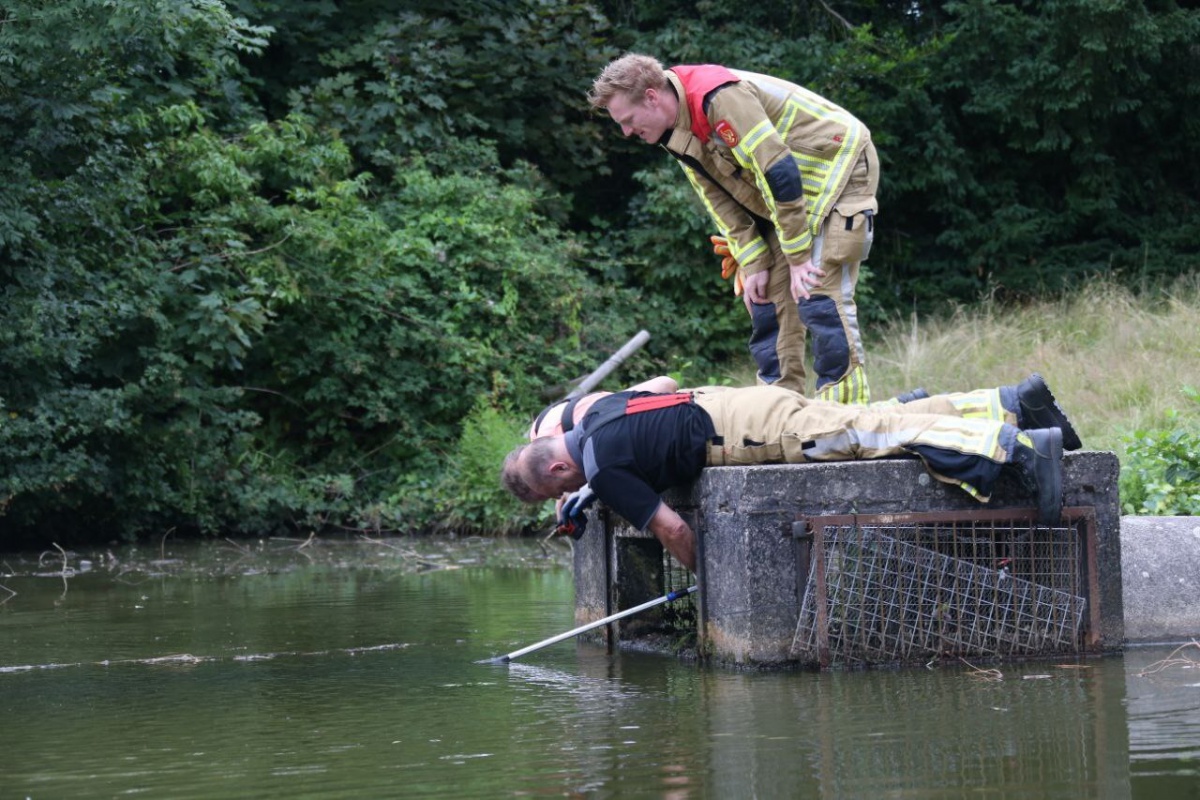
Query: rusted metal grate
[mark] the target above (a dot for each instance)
(902, 588)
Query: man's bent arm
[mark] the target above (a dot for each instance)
(675, 535)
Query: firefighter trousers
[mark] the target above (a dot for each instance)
(773, 425)
(780, 326)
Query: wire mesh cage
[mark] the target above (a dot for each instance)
(881, 592)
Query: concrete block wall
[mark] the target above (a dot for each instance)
(1160, 578)
(750, 590)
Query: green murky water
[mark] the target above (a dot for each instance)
(347, 669)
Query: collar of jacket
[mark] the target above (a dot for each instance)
(680, 138)
(693, 83)
(683, 117)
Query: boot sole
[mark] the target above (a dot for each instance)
(1050, 480)
(1041, 410)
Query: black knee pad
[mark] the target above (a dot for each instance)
(764, 339)
(831, 348)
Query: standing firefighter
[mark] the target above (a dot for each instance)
(789, 178)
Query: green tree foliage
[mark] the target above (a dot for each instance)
(264, 262)
(403, 311)
(468, 496)
(435, 77)
(284, 356)
(1066, 162)
(89, 345)
(237, 332)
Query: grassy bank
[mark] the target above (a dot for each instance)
(1117, 362)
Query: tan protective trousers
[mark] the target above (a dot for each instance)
(772, 425)
(830, 315)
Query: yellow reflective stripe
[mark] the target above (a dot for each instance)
(824, 173)
(744, 153)
(712, 212)
(839, 168)
(742, 255)
(818, 176)
(812, 167)
(976, 438)
(811, 183)
(862, 390)
(979, 404)
(799, 244)
(750, 142)
(788, 119)
(852, 389)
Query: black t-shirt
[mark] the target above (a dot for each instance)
(632, 459)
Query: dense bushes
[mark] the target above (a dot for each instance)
(279, 346)
(214, 324)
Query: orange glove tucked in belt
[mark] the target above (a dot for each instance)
(729, 265)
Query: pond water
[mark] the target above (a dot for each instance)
(348, 669)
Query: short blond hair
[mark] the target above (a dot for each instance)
(631, 74)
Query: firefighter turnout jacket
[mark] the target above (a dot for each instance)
(763, 153)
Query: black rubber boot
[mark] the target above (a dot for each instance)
(1039, 409)
(1040, 471)
(915, 394)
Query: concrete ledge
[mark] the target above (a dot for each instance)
(1160, 568)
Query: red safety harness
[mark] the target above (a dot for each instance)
(595, 420)
(636, 405)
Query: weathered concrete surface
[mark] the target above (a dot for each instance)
(751, 587)
(1160, 566)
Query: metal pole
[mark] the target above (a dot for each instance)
(614, 361)
(667, 598)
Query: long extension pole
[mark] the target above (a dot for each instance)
(515, 654)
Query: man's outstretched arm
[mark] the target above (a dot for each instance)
(675, 535)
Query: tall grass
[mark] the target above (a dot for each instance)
(1116, 361)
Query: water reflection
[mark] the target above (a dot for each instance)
(352, 672)
(917, 733)
(1164, 710)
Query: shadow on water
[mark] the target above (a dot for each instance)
(347, 668)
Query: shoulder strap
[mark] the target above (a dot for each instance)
(651, 402)
(568, 415)
(537, 423)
